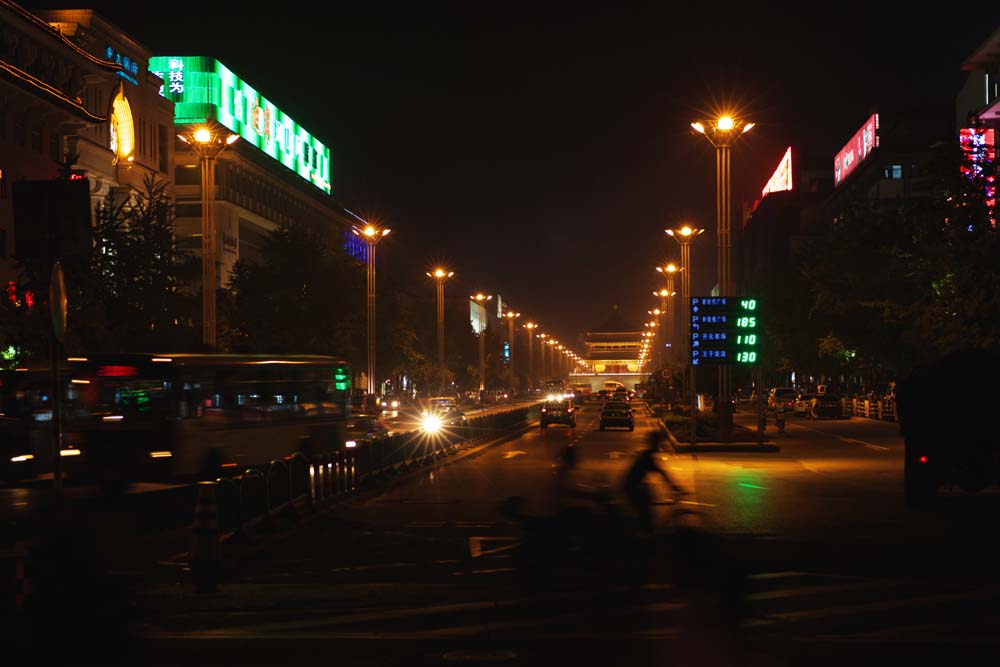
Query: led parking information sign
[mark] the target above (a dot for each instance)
(724, 330)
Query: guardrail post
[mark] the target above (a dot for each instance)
(206, 552)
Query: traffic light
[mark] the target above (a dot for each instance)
(340, 379)
(52, 218)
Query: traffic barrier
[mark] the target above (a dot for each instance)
(206, 551)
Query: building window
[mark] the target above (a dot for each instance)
(893, 172)
(162, 149)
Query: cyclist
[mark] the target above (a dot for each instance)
(636, 488)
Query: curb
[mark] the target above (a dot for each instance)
(750, 447)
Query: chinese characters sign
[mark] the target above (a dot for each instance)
(204, 89)
(130, 68)
(724, 330)
(781, 179)
(857, 149)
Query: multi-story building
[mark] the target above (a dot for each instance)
(76, 87)
(613, 354)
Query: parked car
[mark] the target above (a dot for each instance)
(826, 405)
(781, 398)
(558, 412)
(804, 403)
(617, 413)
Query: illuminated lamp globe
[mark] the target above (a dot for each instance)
(725, 123)
(202, 135)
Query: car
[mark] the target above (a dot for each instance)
(446, 409)
(617, 413)
(558, 412)
(390, 406)
(365, 427)
(621, 394)
(826, 405)
(804, 403)
(603, 394)
(781, 398)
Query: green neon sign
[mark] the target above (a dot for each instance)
(203, 89)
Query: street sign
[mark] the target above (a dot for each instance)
(724, 331)
(57, 302)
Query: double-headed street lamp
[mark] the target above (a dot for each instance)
(440, 275)
(531, 326)
(207, 143)
(684, 235)
(722, 134)
(511, 316)
(481, 299)
(371, 235)
(667, 302)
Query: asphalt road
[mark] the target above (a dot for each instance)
(773, 557)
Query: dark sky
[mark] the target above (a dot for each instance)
(540, 152)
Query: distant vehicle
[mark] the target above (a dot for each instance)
(781, 398)
(557, 412)
(621, 394)
(617, 413)
(446, 409)
(612, 385)
(804, 403)
(941, 449)
(603, 394)
(826, 405)
(390, 406)
(179, 417)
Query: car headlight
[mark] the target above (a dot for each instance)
(431, 423)
(395, 404)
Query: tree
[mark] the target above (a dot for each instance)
(127, 294)
(307, 297)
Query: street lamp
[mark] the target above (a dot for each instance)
(684, 235)
(667, 306)
(531, 326)
(371, 235)
(722, 134)
(207, 143)
(481, 299)
(511, 316)
(440, 275)
(541, 347)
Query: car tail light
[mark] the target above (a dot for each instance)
(923, 459)
(570, 410)
(544, 410)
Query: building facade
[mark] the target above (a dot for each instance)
(58, 97)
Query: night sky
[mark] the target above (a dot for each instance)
(541, 152)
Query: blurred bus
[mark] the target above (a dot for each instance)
(177, 417)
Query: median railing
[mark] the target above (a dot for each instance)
(263, 498)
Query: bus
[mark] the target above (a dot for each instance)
(171, 417)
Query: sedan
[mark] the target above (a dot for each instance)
(617, 413)
(826, 405)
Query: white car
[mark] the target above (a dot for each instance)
(804, 403)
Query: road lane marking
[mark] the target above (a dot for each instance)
(807, 466)
(809, 590)
(515, 454)
(476, 544)
(877, 448)
(692, 502)
(848, 610)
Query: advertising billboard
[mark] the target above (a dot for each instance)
(203, 89)
(857, 149)
(979, 151)
(781, 179)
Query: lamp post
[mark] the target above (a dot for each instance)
(667, 301)
(684, 236)
(511, 316)
(531, 326)
(481, 299)
(722, 134)
(371, 235)
(541, 348)
(207, 143)
(440, 275)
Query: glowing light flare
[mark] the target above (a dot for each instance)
(202, 135)
(163, 455)
(22, 458)
(70, 451)
(725, 123)
(431, 424)
(698, 127)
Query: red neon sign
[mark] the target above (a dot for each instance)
(781, 179)
(117, 371)
(857, 149)
(979, 147)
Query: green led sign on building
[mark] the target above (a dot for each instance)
(203, 89)
(725, 330)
